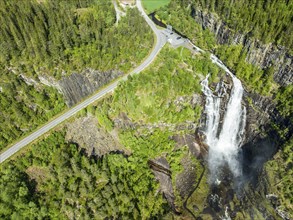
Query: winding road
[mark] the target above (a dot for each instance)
(160, 42)
(119, 13)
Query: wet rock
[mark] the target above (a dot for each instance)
(261, 114)
(215, 202)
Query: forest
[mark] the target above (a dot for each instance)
(54, 39)
(56, 179)
(60, 36)
(268, 21)
(234, 56)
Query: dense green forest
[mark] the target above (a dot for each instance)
(55, 179)
(154, 96)
(268, 21)
(24, 107)
(56, 38)
(59, 36)
(159, 87)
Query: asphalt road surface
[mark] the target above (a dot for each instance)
(119, 13)
(160, 42)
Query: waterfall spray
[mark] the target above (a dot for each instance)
(223, 148)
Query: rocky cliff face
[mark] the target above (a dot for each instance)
(260, 143)
(261, 111)
(162, 172)
(79, 85)
(76, 86)
(93, 139)
(262, 55)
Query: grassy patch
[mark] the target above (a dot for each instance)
(153, 5)
(153, 96)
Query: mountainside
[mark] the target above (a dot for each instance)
(260, 54)
(266, 21)
(202, 133)
(263, 55)
(44, 42)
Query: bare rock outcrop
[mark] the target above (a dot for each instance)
(194, 142)
(93, 139)
(162, 172)
(187, 178)
(80, 85)
(198, 149)
(262, 55)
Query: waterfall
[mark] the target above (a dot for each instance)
(212, 110)
(223, 148)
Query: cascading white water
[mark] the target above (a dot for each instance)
(223, 149)
(212, 109)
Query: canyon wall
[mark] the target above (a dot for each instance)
(262, 55)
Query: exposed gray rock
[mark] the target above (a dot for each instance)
(76, 86)
(260, 112)
(50, 81)
(162, 172)
(194, 142)
(94, 140)
(79, 85)
(28, 81)
(193, 100)
(186, 178)
(262, 55)
(123, 122)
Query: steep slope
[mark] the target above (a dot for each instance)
(252, 40)
(44, 42)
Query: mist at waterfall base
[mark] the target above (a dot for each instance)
(224, 140)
